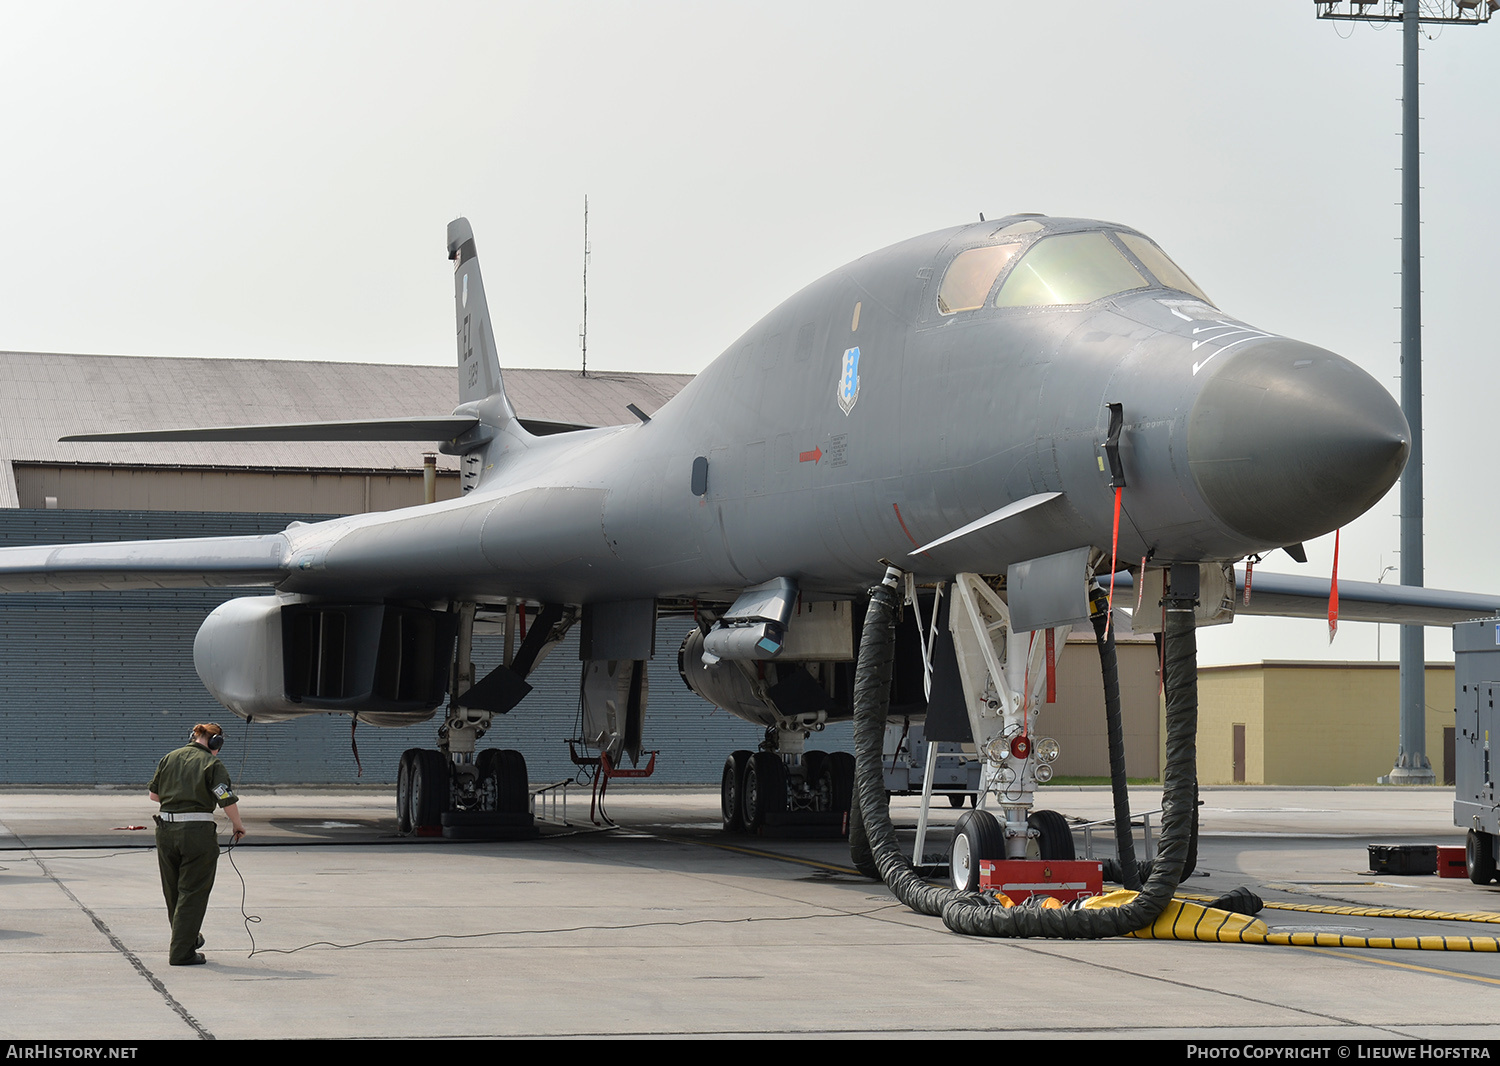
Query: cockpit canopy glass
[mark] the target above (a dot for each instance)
(1069, 268)
(1029, 225)
(1156, 261)
(1064, 269)
(971, 275)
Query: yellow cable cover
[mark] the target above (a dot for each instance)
(1186, 920)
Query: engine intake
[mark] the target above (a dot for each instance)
(271, 661)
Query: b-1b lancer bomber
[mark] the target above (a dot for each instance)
(1007, 411)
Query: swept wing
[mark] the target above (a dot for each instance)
(1295, 596)
(197, 562)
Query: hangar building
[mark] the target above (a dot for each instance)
(96, 686)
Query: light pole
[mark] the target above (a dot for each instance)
(1412, 766)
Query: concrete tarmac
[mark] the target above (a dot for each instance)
(668, 927)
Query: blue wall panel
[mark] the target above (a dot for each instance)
(95, 687)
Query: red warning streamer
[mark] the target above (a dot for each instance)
(1051, 665)
(1333, 591)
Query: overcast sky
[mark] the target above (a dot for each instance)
(274, 181)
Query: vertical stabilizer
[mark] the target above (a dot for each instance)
(478, 359)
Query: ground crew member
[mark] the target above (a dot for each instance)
(187, 784)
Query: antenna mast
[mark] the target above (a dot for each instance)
(583, 330)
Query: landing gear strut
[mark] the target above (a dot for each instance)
(453, 790)
(1005, 677)
(785, 790)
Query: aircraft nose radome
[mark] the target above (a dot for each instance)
(1287, 441)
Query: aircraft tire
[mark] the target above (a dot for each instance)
(512, 786)
(430, 787)
(730, 786)
(1479, 857)
(1054, 838)
(840, 768)
(956, 799)
(976, 836)
(515, 783)
(765, 788)
(513, 793)
(403, 791)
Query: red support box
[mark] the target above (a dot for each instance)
(1451, 862)
(1063, 881)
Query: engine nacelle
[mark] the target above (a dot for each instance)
(768, 694)
(269, 660)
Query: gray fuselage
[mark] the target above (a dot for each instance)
(1235, 441)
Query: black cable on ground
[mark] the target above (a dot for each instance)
(975, 914)
(1109, 665)
(250, 919)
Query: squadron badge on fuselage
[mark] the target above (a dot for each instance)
(849, 381)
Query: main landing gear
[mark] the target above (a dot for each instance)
(439, 795)
(458, 790)
(787, 793)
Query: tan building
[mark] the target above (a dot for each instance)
(1076, 720)
(1313, 723)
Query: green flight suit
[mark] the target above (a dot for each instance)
(190, 779)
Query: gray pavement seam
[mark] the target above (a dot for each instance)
(1038, 948)
(130, 956)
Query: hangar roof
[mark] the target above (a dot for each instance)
(44, 396)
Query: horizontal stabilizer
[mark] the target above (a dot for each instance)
(542, 427)
(197, 562)
(446, 427)
(1294, 596)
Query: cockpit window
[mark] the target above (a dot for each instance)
(969, 278)
(1156, 261)
(1070, 268)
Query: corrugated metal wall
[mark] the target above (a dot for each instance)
(95, 687)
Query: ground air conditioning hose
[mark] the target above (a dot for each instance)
(973, 913)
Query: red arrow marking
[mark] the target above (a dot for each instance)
(810, 457)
